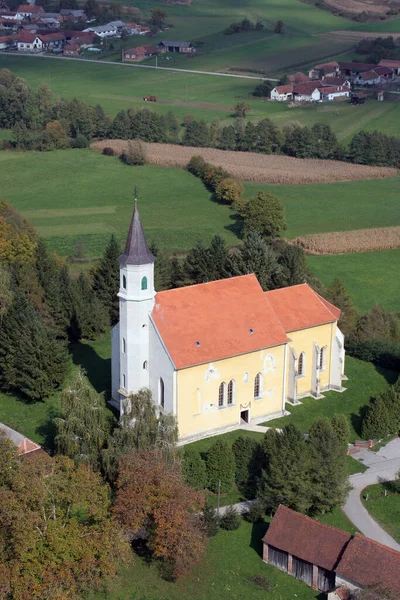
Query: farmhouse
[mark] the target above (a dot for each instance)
(137, 54)
(222, 353)
(327, 558)
(5, 41)
(330, 69)
(31, 42)
(334, 92)
(182, 47)
(71, 50)
(81, 39)
(392, 64)
(281, 93)
(307, 92)
(352, 69)
(103, 31)
(72, 15)
(28, 11)
(298, 78)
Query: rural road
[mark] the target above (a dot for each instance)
(121, 64)
(382, 466)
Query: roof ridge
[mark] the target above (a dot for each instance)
(370, 540)
(322, 301)
(193, 285)
(324, 525)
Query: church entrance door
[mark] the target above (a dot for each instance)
(244, 416)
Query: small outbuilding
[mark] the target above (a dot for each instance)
(181, 47)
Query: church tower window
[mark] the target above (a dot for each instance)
(124, 282)
(161, 390)
(144, 283)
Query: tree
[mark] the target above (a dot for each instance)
(32, 360)
(208, 264)
(158, 17)
(293, 263)
(135, 154)
(341, 429)
(220, 464)
(241, 109)
(229, 190)
(377, 422)
(329, 477)
(55, 137)
(285, 477)
(230, 520)
(139, 428)
(244, 449)
(263, 214)
(194, 469)
(263, 90)
(90, 317)
(106, 279)
(151, 494)
(121, 126)
(279, 27)
(146, 125)
(6, 295)
(257, 257)
(349, 316)
(325, 141)
(227, 138)
(210, 521)
(84, 424)
(196, 134)
(58, 538)
(379, 325)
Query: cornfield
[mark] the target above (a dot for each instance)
(343, 242)
(249, 166)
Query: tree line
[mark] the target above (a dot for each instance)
(40, 122)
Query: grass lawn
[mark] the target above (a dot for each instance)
(370, 277)
(385, 510)
(354, 466)
(204, 96)
(365, 381)
(232, 558)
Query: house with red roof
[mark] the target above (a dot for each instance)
(222, 353)
(328, 559)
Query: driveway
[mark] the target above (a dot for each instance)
(382, 466)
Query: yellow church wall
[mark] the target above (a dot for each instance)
(197, 390)
(303, 341)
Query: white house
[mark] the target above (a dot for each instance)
(368, 78)
(306, 92)
(103, 31)
(332, 92)
(30, 42)
(281, 93)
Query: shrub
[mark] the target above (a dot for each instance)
(135, 154)
(107, 151)
(381, 353)
(219, 175)
(230, 520)
(256, 512)
(229, 190)
(80, 142)
(194, 469)
(210, 521)
(196, 166)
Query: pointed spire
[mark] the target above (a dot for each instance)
(136, 250)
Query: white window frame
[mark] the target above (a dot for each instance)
(233, 382)
(303, 370)
(260, 387)
(224, 390)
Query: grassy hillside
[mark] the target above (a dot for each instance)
(204, 96)
(370, 277)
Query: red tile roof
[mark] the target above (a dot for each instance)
(336, 81)
(306, 538)
(369, 563)
(27, 8)
(298, 77)
(355, 66)
(307, 88)
(381, 70)
(28, 38)
(385, 62)
(284, 89)
(298, 307)
(326, 66)
(216, 320)
(369, 75)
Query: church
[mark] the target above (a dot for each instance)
(221, 354)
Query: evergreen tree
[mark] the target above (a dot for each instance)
(85, 422)
(325, 141)
(162, 272)
(230, 520)
(376, 422)
(244, 449)
(329, 477)
(106, 279)
(208, 264)
(121, 126)
(285, 478)
(341, 429)
(102, 123)
(257, 257)
(220, 466)
(90, 317)
(194, 469)
(32, 360)
(337, 294)
(379, 325)
(210, 520)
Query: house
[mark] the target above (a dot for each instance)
(307, 92)
(30, 12)
(298, 78)
(281, 93)
(72, 15)
(8, 15)
(71, 50)
(327, 558)
(32, 42)
(329, 93)
(385, 73)
(11, 24)
(367, 78)
(137, 54)
(330, 69)
(119, 25)
(103, 31)
(48, 22)
(338, 81)
(352, 69)
(182, 47)
(24, 445)
(392, 64)
(81, 39)
(5, 42)
(219, 354)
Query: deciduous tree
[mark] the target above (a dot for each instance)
(263, 214)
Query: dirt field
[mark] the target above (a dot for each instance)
(342, 242)
(256, 167)
(373, 8)
(356, 36)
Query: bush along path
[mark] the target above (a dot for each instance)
(383, 466)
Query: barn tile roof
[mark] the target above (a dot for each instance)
(381, 70)
(355, 66)
(298, 307)
(369, 563)
(369, 75)
(136, 250)
(284, 89)
(309, 540)
(298, 77)
(216, 320)
(385, 62)
(329, 65)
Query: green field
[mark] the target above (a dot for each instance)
(204, 96)
(384, 509)
(370, 277)
(365, 382)
(75, 195)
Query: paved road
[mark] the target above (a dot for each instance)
(121, 64)
(382, 466)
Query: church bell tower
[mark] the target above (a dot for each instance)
(136, 300)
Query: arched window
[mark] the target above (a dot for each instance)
(221, 394)
(144, 283)
(231, 392)
(161, 399)
(301, 364)
(322, 353)
(145, 365)
(124, 282)
(257, 385)
(123, 345)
